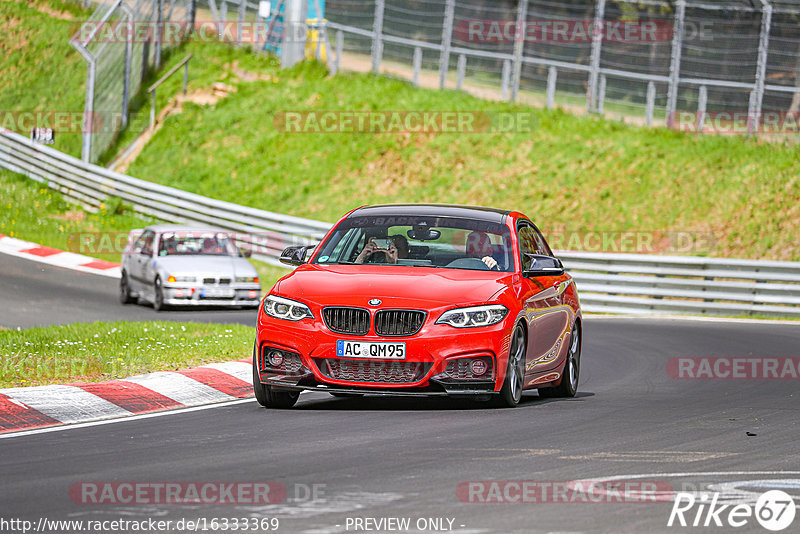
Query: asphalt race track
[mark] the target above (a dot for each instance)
(405, 458)
(36, 294)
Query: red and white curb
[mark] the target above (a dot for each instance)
(43, 406)
(59, 258)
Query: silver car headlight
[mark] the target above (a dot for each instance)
(474, 316)
(173, 278)
(288, 309)
(247, 280)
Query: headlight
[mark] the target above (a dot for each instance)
(474, 316)
(282, 308)
(172, 278)
(247, 280)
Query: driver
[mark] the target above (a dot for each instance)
(398, 248)
(480, 246)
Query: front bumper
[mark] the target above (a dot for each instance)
(248, 295)
(429, 350)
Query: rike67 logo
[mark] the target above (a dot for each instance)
(774, 510)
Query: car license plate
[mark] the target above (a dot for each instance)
(218, 292)
(365, 349)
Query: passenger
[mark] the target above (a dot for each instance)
(397, 249)
(210, 246)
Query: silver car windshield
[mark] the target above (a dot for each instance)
(443, 242)
(196, 244)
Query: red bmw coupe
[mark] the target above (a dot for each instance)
(421, 299)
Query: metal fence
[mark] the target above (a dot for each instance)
(608, 283)
(701, 58)
(118, 57)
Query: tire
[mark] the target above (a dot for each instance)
(124, 289)
(511, 392)
(268, 398)
(258, 387)
(158, 295)
(572, 369)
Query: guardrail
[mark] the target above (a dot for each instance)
(648, 284)
(91, 185)
(608, 283)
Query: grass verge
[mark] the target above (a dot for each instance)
(109, 350)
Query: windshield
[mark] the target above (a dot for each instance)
(196, 244)
(444, 242)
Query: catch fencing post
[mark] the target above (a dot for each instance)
(505, 80)
(552, 77)
(461, 70)
(447, 35)
(192, 16)
(159, 32)
(519, 46)
(339, 51)
(223, 11)
(126, 81)
(651, 103)
(598, 33)
(754, 113)
(702, 99)
(240, 28)
(675, 61)
(88, 114)
(417, 65)
(152, 110)
(377, 36)
(601, 94)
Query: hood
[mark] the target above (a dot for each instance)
(210, 265)
(355, 285)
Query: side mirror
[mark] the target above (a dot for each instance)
(295, 255)
(540, 265)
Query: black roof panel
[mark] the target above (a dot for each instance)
(434, 210)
